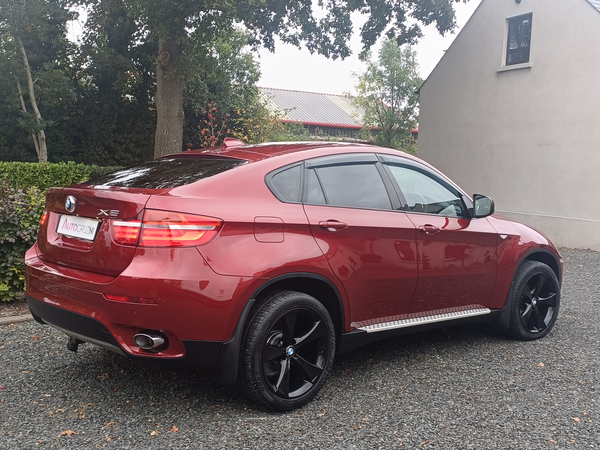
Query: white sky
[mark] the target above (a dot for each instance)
(290, 68)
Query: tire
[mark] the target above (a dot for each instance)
(534, 301)
(288, 351)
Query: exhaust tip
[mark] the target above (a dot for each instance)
(149, 341)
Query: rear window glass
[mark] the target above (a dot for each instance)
(166, 173)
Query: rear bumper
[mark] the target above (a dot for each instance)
(198, 354)
(196, 309)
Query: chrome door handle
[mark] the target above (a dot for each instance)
(333, 225)
(429, 229)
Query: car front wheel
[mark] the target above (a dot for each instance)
(288, 351)
(535, 300)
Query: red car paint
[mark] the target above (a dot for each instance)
(375, 265)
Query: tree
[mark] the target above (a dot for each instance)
(186, 27)
(387, 91)
(114, 119)
(33, 40)
(224, 78)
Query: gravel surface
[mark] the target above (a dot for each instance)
(456, 388)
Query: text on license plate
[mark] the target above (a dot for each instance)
(79, 227)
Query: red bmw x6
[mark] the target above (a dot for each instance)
(259, 263)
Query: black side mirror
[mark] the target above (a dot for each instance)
(483, 206)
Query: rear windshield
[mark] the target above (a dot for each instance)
(166, 173)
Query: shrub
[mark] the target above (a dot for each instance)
(43, 175)
(23, 189)
(20, 212)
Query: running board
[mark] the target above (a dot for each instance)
(405, 323)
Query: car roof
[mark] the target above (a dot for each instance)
(259, 152)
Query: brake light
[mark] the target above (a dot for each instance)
(166, 229)
(126, 231)
(173, 229)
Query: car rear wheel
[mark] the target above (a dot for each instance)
(288, 351)
(535, 301)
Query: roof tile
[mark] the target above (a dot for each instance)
(312, 107)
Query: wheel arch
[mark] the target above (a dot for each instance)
(315, 285)
(546, 257)
(540, 255)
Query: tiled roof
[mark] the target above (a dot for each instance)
(314, 108)
(595, 4)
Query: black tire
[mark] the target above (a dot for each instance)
(535, 301)
(288, 351)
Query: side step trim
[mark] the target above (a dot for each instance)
(404, 323)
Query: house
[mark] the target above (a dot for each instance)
(329, 114)
(512, 110)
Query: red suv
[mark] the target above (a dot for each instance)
(259, 263)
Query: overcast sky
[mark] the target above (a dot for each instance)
(290, 68)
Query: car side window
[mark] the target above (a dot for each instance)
(425, 194)
(351, 185)
(285, 184)
(314, 191)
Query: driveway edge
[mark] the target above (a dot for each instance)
(15, 319)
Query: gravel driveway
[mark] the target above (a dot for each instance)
(455, 388)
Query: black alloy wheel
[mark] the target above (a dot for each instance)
(536, 299)
(288, 351)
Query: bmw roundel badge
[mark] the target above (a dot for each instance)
(70, 203)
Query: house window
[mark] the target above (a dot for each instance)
(519, 40)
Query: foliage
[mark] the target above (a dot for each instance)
(34, 56)
(186, 30)
(22, 197)
(20, 212)
(98, 97)
(226, 77)
(43, 175)
(387, 92)
(213, 128)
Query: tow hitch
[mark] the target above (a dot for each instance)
(73, 343)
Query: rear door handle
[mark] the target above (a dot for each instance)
(429, 229)
(333, 225)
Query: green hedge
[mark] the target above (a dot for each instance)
(23, 189)
(46, 175)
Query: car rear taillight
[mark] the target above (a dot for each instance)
(126, 231)
(166, 229)
(43, 218)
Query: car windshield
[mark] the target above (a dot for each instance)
(165, 173)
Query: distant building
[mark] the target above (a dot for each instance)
(328, 114)
(512, 110)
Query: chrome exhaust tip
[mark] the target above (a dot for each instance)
(149, 341)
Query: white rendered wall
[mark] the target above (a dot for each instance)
(529, 138)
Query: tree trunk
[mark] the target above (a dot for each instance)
(41, 136)
(33, 136)
(169, 100)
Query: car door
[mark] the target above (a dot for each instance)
(456, 254)
(370, 245)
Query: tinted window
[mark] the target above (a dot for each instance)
(314, 190)
(166, 173)
(353, 185)
(286, 184)
(425, 194)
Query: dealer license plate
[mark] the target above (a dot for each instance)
(78, 227)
